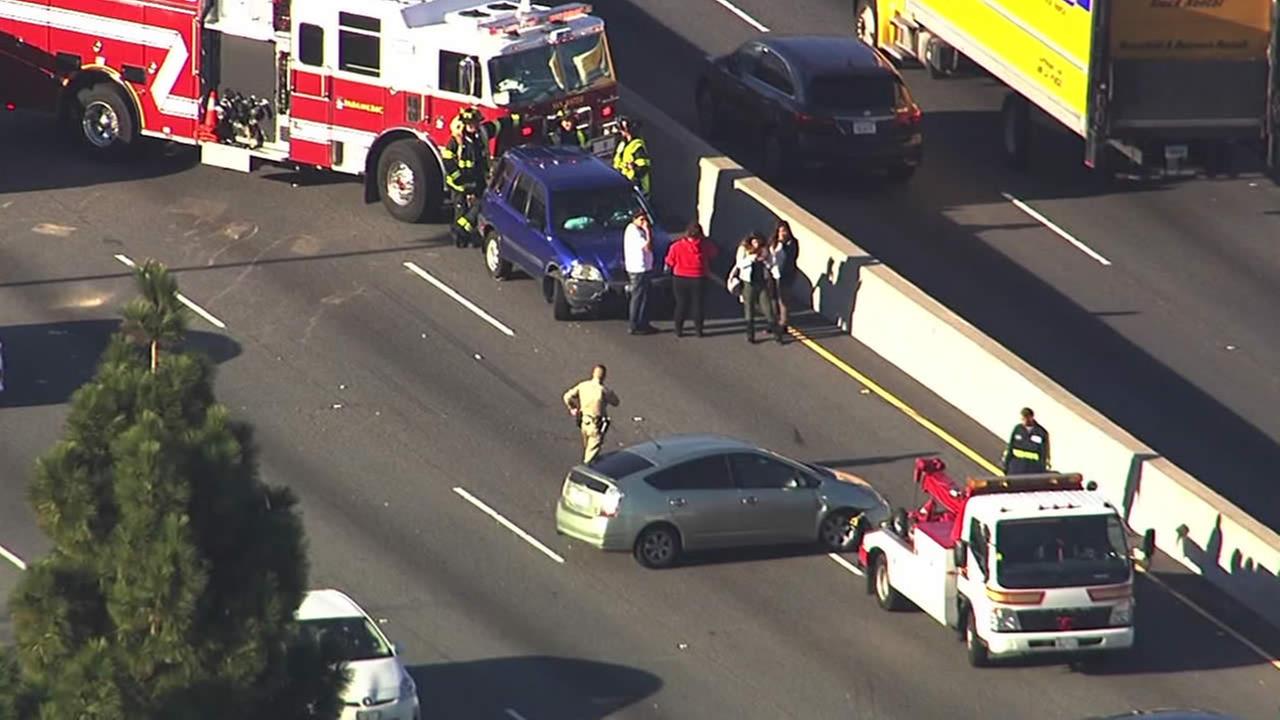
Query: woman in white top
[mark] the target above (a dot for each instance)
(756, 270)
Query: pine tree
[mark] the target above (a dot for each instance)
(175, 572)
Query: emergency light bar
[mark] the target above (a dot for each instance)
(526, 21)
(1024, 483)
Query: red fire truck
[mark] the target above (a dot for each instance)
(363, 87)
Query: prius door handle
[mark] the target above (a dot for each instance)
(676, 502)
(750, 500)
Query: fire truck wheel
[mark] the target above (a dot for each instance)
(106, 124)
(886, 596)
(408, 187)
(973, 646)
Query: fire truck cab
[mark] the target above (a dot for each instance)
(1018, 565)
(365, 88)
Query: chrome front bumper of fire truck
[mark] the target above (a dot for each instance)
(1032, 643)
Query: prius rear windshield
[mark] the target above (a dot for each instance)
(853, 92)
(620, 464)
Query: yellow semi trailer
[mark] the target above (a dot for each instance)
(1169, 84)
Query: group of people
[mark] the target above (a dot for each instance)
(467, 159)
(763, 268)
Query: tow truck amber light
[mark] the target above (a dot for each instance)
(1025, 483)
(1113, 592)
(1015, 597)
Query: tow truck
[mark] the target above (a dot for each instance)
(1018, 565)
(359, 87)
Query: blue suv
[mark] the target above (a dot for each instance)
(558, 214)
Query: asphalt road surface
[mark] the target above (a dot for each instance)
(375, 394)
(1175, 339)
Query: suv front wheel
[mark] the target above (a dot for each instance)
(560, 308)
(498, 268)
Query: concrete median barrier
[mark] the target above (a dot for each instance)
(969, 370)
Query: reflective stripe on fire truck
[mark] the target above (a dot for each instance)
(97, 26)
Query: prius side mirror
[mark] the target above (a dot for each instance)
(961, 553)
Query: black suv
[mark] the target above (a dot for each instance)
(813, 101)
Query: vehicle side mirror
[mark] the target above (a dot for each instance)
(961, 553)
(793, 483)
(1148, 547)
(1091, 486)
(467, 77)
(397, 648)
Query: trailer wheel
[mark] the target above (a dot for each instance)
(407, 182)
(973, 645)
(865, 23)
(886, 596)
(1015, 116)
(105, 122)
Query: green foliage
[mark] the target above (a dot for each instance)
(175, 572)
(157, 317)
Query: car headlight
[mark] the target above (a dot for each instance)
(583, 271)
(1122, 613)
(408, 688)
(1005, 620)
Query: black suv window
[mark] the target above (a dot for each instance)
(520, 194)
(854, 92)
(708, 473)
(773, 72)
(537, 213)
(757, 472)
(502, 177)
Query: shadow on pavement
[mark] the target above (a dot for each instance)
(533, 687)
(48, 161)
(45, 363)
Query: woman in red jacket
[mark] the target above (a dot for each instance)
(690, 261)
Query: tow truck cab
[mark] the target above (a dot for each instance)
(1019, 565)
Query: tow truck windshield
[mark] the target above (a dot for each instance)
(1061, 552)
(553, 71)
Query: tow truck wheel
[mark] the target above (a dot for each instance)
(973, 646)
(406, 184)
(498, 268)
(886, 596)
(106, 124)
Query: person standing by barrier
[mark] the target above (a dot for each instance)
(786, 250)
(690, 259)
(637, 256)
(588, 403)
(756, 271)
(1028, 449)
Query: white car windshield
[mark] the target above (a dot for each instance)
(351, 638)
(552, 71)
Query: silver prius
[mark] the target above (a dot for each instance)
(696, 492)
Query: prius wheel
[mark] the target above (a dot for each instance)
(658, 547)
(886, 596)
(837, 531)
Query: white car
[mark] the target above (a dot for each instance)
(380, 688)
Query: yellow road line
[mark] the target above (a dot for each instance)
(973, 455)
(893, 400)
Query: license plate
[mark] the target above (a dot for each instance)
(368, 715)
(1068, 643)
(579, 498)
(1175, 152)
(864, 127)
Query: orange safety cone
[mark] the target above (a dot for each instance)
(206, 132)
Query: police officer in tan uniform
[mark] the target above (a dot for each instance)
(589, 402)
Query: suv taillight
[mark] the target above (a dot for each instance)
(908, 116)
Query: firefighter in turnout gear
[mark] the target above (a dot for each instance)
(1028, 449)
(632, 156)
(567, 133)
(466, 163)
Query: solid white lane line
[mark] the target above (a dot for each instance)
(208, 316)
(1057, 230)
(508, 524)
(745, 17)
(514, 715)
(4, 553)
(846, 564)
(479, 311)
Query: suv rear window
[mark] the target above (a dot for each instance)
(853, 92)
(620, 464)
